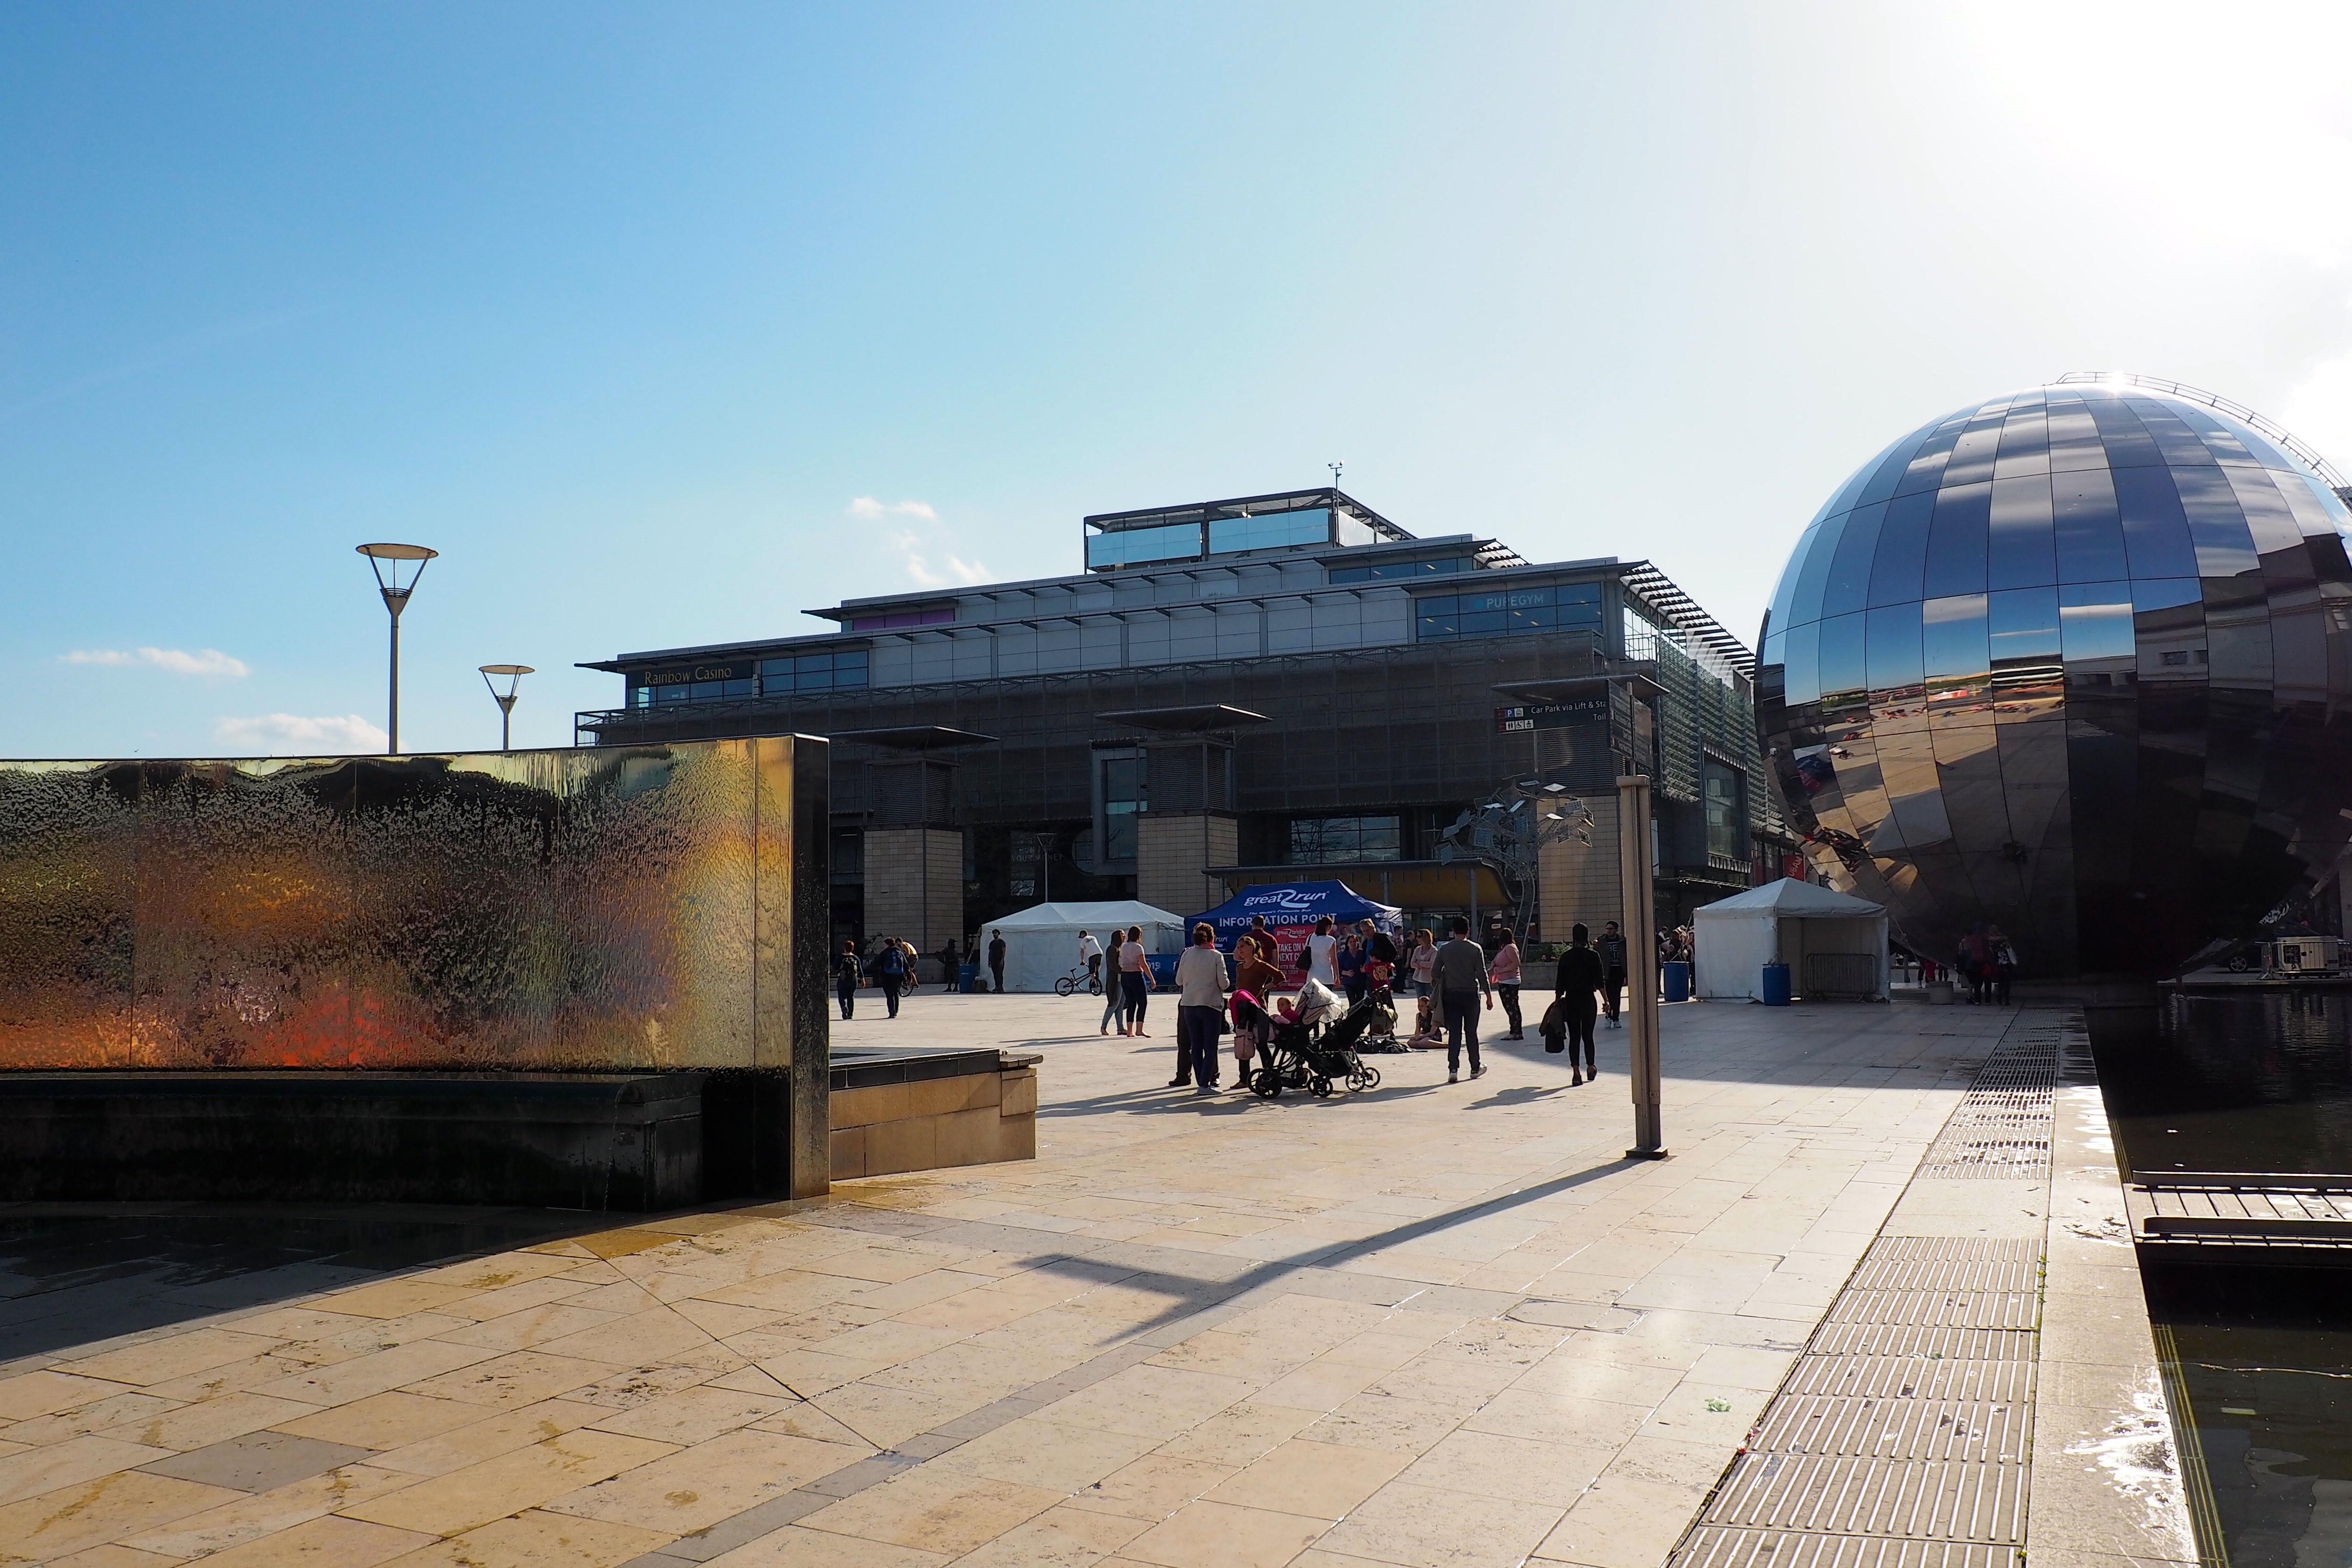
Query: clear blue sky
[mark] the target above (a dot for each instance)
(623, 309)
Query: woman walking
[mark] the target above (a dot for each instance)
(1503, 970)
(1578, 984)
(1199, 1001)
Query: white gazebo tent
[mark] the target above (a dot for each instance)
(1041, 942)
(1786, 922)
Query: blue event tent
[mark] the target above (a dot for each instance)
(1297, 905)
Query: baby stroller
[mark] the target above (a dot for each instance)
(1379, 1037)
(1313, 1047)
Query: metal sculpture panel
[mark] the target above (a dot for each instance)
(2074, 661)
(615, 908)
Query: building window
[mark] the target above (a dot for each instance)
(1726, 811)
(691, 683)
(1399, 571)
(1341, 840)
(897, 618)
(812, 672)
(1123, 798)
(1270, 532)
(1558, 608)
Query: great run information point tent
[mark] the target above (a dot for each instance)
(1835, 944)
(1291, 910)
(1041, 942)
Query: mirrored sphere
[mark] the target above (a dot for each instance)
(2074, 662)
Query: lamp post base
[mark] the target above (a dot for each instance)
(1647, 1155)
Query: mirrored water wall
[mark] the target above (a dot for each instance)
(600, 909)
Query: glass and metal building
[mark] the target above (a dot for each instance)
(1243, 690)
(2076, 661)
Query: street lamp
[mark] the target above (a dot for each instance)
(505, 700)
(386, 560)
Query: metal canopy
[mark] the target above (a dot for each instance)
(914, 738)
(1185, 721)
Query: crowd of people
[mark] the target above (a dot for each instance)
(1450, 983)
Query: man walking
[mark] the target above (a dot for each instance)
(951, 964)
(996, 959)
(1460, 972)
(1581, 974)
(847, 974)
(890, 971)
(1611, 949)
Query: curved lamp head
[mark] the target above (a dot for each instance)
(388, 560)
(514, 674)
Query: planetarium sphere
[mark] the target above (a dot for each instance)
(2075, 662)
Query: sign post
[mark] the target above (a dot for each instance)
(1639, 888)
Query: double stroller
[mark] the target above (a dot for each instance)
(1314, 1046)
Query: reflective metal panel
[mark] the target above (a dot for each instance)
(612, 908)
(2147, 603)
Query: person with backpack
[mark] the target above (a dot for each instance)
(845, 977)
(889, 969)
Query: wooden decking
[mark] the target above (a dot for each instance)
(2237, 1208)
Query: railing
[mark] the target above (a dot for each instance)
(2231, 406)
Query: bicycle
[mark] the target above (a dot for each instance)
(1090, 978)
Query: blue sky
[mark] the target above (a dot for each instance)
(625, 308)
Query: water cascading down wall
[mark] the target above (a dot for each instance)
(588, 977)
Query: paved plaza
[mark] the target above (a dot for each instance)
(1429, 1324)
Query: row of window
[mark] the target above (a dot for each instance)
(895, 619)
(1398, 571)
(789, 677)
(1326, 841)
(1569, 606)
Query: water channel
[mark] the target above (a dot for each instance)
(2258, 1341)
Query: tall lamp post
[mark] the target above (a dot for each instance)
(387, 560)
(505, 700)
(1639, 893)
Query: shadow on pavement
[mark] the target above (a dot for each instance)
(72, 1274)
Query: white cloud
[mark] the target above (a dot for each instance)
(912, 551)
(867, 506)
(179, 661)
(291, 734)
(2319, 410)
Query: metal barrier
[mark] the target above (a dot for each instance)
(1831, 976)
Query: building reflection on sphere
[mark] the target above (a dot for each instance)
(2073, 661)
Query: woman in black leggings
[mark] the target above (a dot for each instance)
(1578, 982)
(1134, 985)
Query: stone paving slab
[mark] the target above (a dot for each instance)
(1430, 1324)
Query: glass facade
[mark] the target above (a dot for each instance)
(893, 620)
(741, 679)
(1136, 546)
(1122, 800)
(1270, 532)
(1327, 840)
(2070, 661)
(1549, 607)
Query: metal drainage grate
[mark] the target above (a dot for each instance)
(1900, 1438)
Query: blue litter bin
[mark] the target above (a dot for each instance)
(1677, 978)
(968, 979)
(1776, 986)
